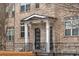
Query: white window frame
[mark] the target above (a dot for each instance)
(24, 4)
(70, 28)
(10, 34)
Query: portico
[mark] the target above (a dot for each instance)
(38, 28)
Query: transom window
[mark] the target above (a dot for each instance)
(10, 33)
(24, 7)
(72, 27)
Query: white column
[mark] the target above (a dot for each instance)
(47, 36)
(26, 33)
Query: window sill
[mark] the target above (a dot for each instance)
(25, 11)
(71, 36)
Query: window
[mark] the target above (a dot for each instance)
(75, 31)
(72, 27)
(7, 12)
(37, 5)
(22, 29)
(10, 33)
(68, 28)
(67, 31)
(51, 44)
(24, 7)
(13, 11)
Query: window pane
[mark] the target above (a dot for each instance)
(12, 37)
(9, 38)
(10, 33)
(75, 31)
(22, 28)
(7, 33)
(23, 8)
(27, 7)
(13, 32)
(22, 34)
(67, 31)
(37, 5)
(68, 25)
(75, 23)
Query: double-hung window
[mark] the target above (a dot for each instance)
(37, 5)
(24, 7)
(72, 27)
(10, 33)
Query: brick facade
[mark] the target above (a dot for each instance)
(52, 10)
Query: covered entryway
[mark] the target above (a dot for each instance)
(38, 27)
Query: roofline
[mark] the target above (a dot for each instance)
(35, 15)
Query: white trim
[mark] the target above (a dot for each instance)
(47, 36)
(25, 6)
(10, 32)
(71, 28)
(39, 16)
(26, 33)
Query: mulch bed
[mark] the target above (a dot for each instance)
(14, 53)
